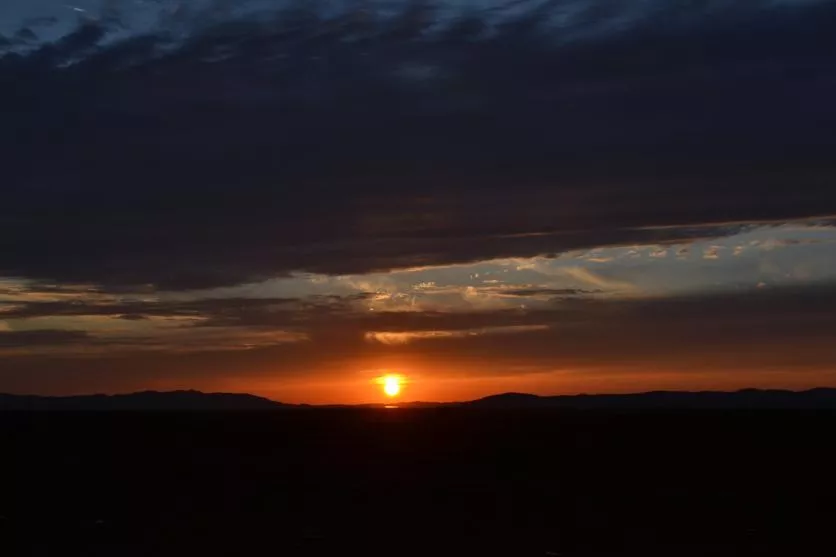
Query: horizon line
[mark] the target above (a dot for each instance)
(415, 402)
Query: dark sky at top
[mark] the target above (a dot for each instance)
(288, 198)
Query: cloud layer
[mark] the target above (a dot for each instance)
(348, 143)
(237, 190)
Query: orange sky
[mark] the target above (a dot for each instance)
(458, 385)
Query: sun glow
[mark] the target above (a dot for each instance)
(391, 385)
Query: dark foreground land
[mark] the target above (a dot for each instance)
(448, 481)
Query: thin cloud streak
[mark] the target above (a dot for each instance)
(396, 338)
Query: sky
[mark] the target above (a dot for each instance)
(292, 199)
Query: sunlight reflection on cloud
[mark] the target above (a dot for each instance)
(792, 254)
(394, 338)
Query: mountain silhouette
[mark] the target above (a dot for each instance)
(814, 399)
(821, 398)
(142, 401)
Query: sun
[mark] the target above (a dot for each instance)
(391, 385)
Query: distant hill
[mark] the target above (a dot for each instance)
(748, 398)
(823, 398)
(143, 401)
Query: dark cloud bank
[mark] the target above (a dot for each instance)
(360, 141)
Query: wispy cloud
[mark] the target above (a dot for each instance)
(592, 279)
(395, 338)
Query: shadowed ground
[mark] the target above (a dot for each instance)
(417, 482)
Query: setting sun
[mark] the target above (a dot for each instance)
(392, 385)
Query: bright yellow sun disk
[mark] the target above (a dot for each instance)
(392, 385)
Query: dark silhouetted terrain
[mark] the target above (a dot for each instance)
(748, 398)
(144, 401)
(671, 400)
(415, 482)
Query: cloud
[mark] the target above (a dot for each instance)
(591, 278)
(210, 308)
(395, 338)
(551, 292)
(215, 152)
(168, 339)
(716, 337)
(30, 339)
(170, 326)
(132, 317)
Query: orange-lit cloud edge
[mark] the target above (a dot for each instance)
(615, 319)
